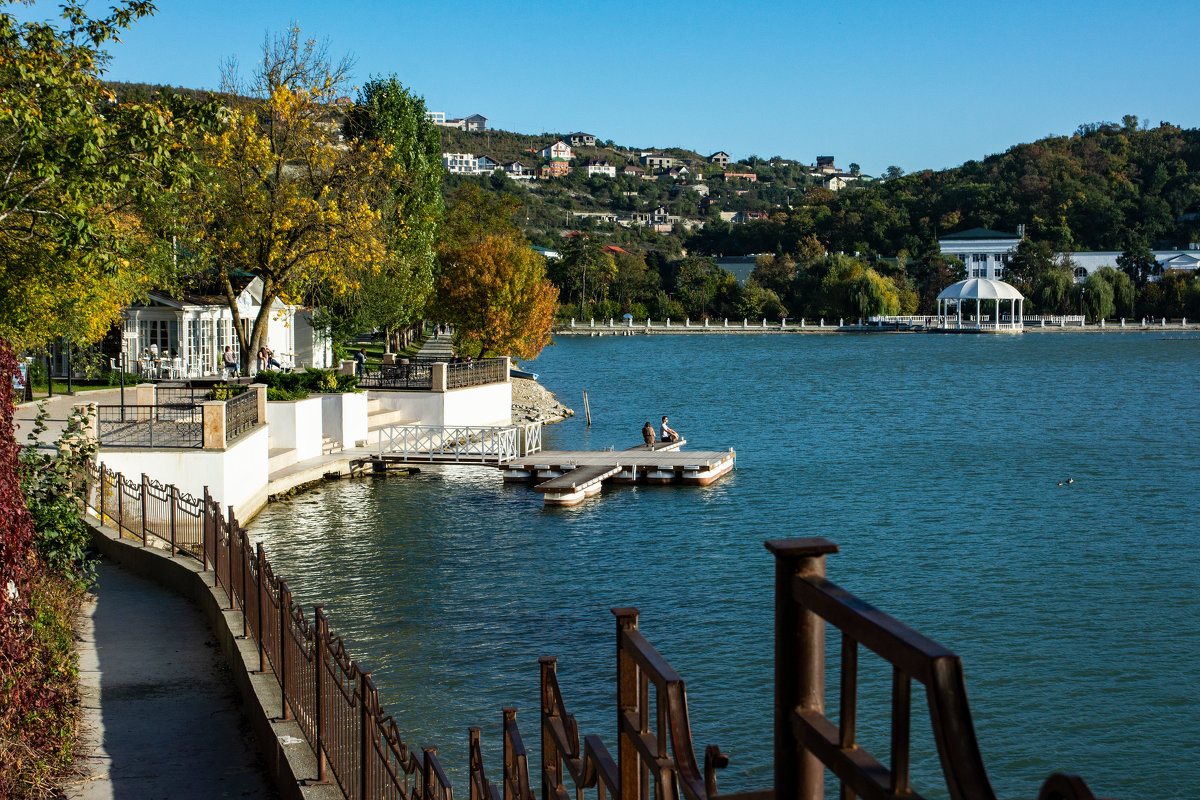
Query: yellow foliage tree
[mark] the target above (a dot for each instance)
(287, 200)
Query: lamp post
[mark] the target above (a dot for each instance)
(1082, 312)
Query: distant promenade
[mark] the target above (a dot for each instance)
(913, 324)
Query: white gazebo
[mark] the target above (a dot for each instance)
(981, 290)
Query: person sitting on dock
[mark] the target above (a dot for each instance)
(667, 434)
(648, 433)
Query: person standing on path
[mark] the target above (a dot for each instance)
(231, 364)
(360, 362)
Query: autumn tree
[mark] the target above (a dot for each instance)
(286, 199)
(79, 172)
(492, 285)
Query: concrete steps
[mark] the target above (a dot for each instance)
(329, 446)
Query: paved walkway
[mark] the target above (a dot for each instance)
(59, 408)
(440, 347)
(160, 717)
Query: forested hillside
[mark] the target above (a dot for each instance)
(1107, 187)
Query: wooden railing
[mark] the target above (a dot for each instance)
(358, 746)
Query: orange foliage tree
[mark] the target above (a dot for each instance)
(492, 285)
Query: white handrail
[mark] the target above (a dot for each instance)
(463, 444)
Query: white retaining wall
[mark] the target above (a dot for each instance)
(344, 417)
(235, 476)
(482, 406)
(296, 425)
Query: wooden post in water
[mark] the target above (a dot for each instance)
(586, 409)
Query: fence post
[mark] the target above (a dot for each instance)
(285, 613)
(174, 503)
(145, 503)
(319, 645)
(102, 482)
(229, 560)
(799, 666)
(365, 737)
(205, 518)
(120, 507)
(629, 762)
(262, 651)
(551, 758)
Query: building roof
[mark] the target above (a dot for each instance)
(581, 133)
(980, 289)
(477, 116)
(980, 233)
(719, 153)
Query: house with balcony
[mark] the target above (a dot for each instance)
(597, 166)
(460, 163)
(475, 122)
(582, 140)
(557, 150)
(720, 157)
(486, 164)
(517, 171)
(652, 160)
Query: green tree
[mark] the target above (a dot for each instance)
(387, 113)
(78, 172)
(1098, 296)
(1137, 261)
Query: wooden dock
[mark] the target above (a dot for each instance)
(567, 477)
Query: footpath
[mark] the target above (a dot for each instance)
(160, 717)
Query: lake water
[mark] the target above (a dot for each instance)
(933, 461)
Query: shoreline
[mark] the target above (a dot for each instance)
(683, 330)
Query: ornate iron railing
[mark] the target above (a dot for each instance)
(241, 414)
(399, 376)
(476, 373)
(336, 704)
(150, 426)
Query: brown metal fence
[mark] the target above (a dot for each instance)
(336, 704)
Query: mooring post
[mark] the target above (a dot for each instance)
(799, 666)
(587, 409)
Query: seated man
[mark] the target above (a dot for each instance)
(668, 434)
(648, 433)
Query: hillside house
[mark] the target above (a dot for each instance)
(485, 164)
(657, 161)
(825, 166)
(632, 171)
(720, 157)
(475, 122)
(460, 163)
(582, 140)
(557, 168)
(600, 167)
(436, 117)
(741, 176)
(985, 253)
(558, 150)
(517, 171)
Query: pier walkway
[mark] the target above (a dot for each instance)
(567, 477)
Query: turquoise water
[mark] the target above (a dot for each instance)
(933, 461)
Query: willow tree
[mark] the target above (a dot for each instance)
(77, 171)
(288, 199)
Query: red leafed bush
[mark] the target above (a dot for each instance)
(38, 674)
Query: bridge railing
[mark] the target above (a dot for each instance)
(464, 444)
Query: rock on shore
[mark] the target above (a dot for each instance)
(534, 403)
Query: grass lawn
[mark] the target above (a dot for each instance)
(375, 350)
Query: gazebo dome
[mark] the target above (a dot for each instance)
(980, 289)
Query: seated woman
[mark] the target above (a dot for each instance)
(648, 433)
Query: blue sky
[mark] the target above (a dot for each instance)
(918, 85)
